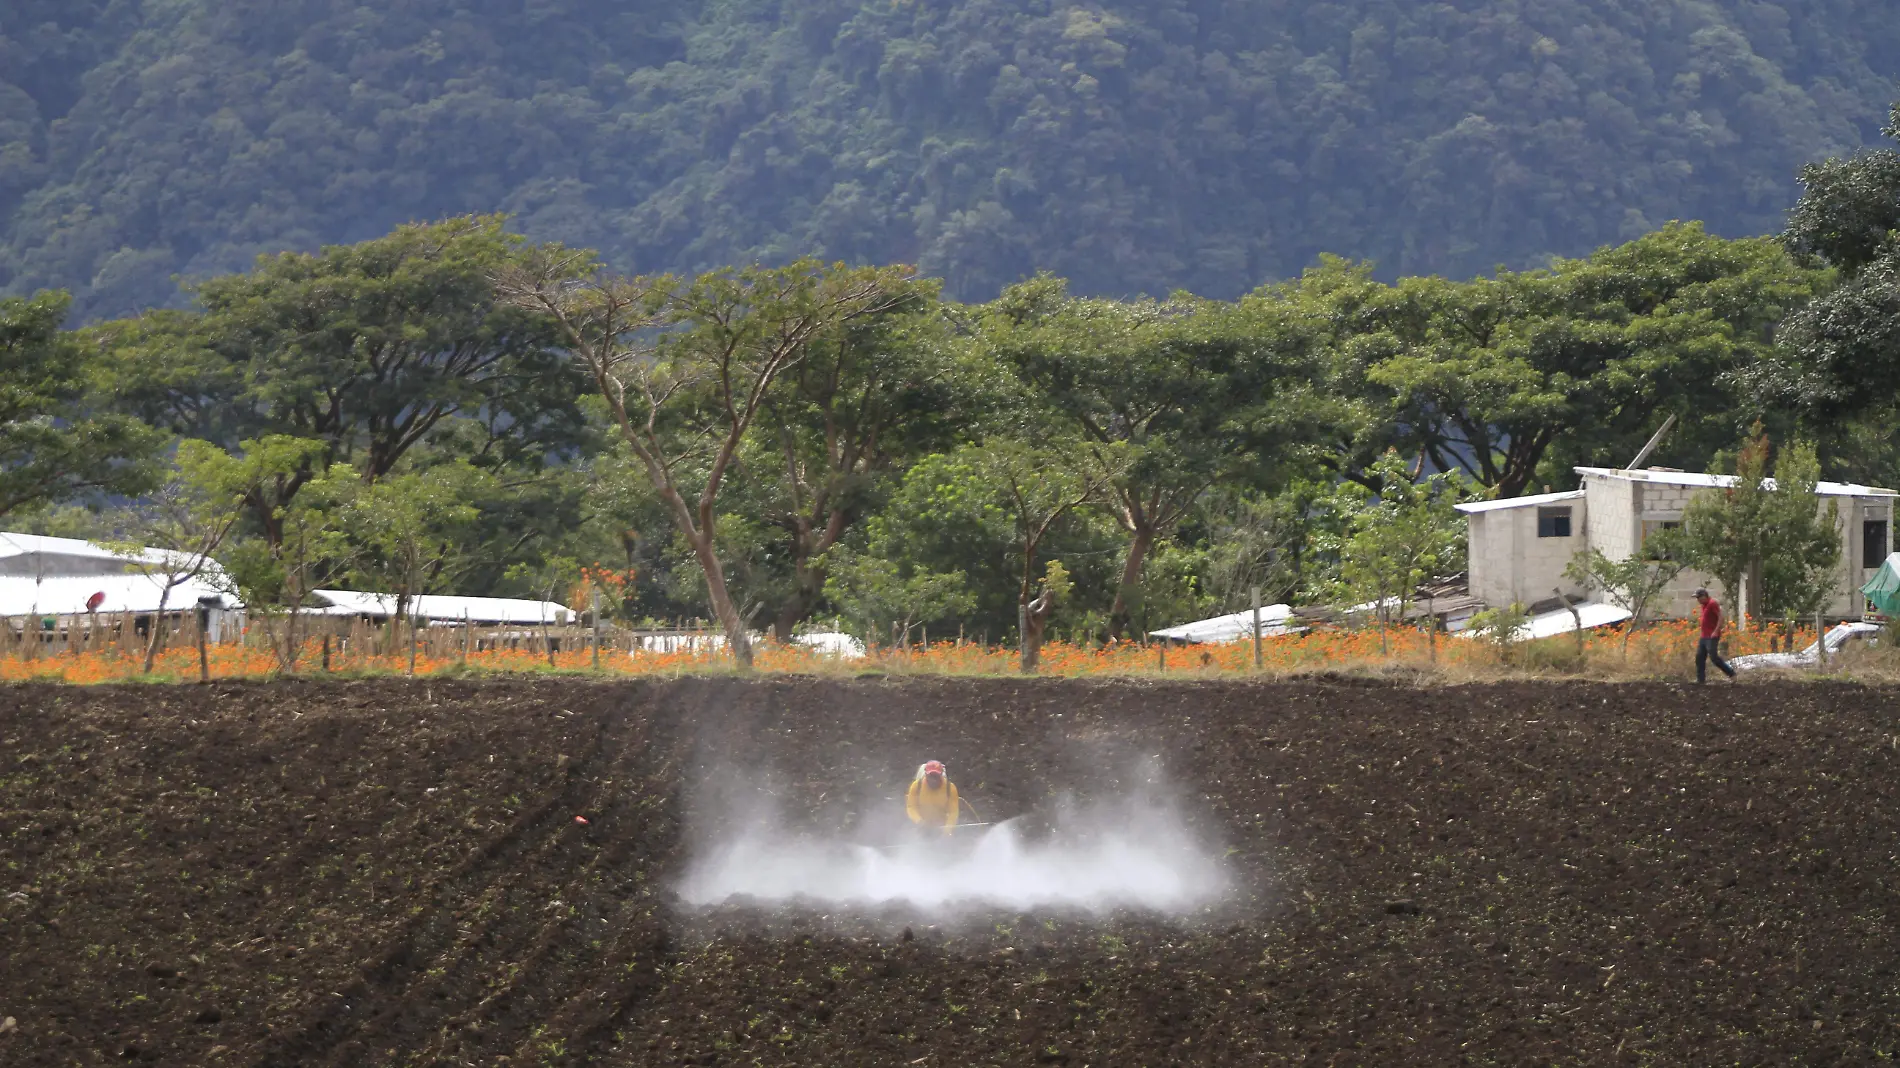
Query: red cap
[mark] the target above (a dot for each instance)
(933, 767)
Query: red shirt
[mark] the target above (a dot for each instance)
(1711, 619)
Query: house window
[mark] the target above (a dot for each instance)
(1873, 542)
(1650, 528)
(1553, 522)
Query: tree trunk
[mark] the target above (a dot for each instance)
(1751, 596)
(728, 613)
(799, 606)
(1035, 623)
(1130, 584)
(158, 623)
(292, 647)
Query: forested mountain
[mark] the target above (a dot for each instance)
(1129, 146)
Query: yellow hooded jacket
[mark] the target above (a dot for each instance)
(929, 807)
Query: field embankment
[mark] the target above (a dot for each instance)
(390, 872)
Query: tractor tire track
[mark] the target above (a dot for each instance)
(381, 1002)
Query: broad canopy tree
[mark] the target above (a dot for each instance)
(1037, 483)
(874, 392)
(54, 444)
(1164, 398)
(373, 349)
(778, 420)
(686, 365)
(1844, 348)
(1528, 373)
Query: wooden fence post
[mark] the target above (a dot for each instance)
(1576, 618)
(1257, 656)
(203, 619)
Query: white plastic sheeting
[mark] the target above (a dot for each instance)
(67, 594)
(441, 607)
(38, 555)
(1232, 627)
(831, 643)
(1837, 639)
(1550, 624)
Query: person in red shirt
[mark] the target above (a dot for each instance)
(1709, 646)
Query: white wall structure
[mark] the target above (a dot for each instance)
(1517, 555)
(1519, 547)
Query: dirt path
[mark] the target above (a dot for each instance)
(391, 873)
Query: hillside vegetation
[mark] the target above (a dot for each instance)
(1131, 147)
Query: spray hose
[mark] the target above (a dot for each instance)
(969, 806)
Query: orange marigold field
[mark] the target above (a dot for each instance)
(1663, 649)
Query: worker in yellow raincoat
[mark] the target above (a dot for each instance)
(932, 800)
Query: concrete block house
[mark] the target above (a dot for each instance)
(1519, 547)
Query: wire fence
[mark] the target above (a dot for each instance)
(103, 648)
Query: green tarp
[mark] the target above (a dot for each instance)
(1884, 588)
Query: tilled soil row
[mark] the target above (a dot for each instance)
(391, 872)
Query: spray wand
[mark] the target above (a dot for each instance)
(979, 821)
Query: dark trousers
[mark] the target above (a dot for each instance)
(1707, 649)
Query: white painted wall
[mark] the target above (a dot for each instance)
(1508, 562)
(1855, 510)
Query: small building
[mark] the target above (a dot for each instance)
(1519, 547)
(53, 577)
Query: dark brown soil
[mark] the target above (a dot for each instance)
(390, 873)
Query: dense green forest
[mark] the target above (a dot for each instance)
(1207, 145)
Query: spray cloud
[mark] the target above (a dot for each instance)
(1136, 853)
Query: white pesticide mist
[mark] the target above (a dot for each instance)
(1131, 855)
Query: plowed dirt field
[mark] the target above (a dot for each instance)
(392, 873)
